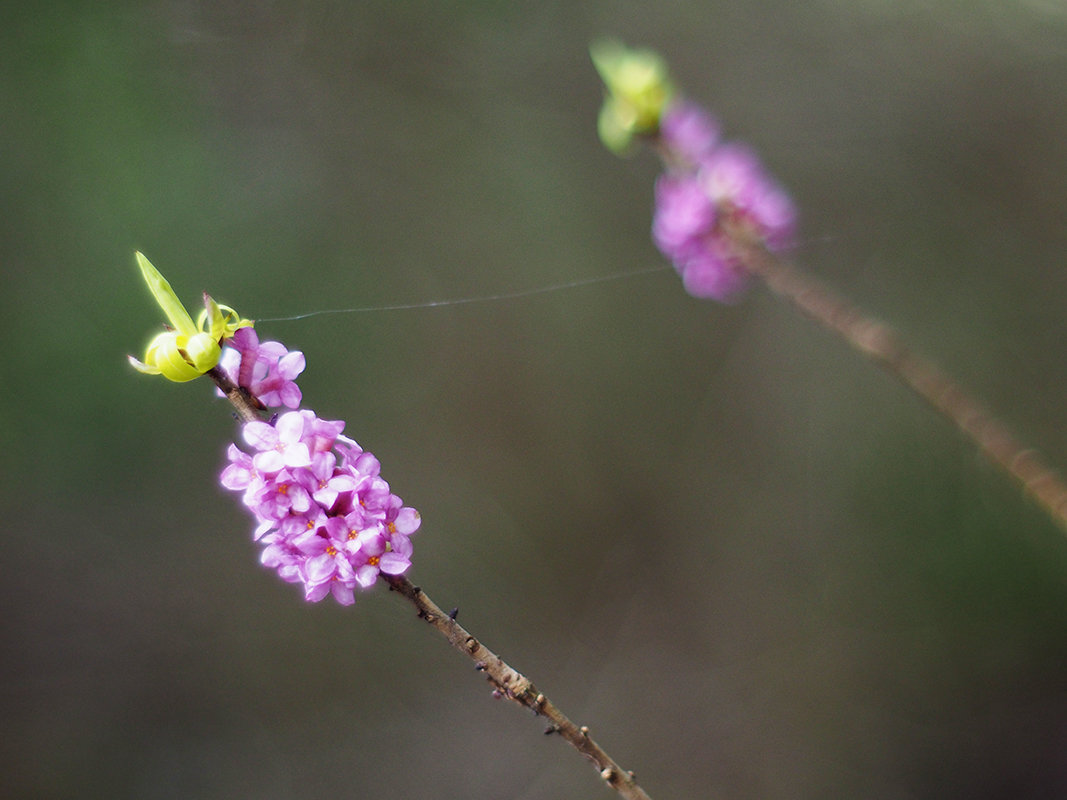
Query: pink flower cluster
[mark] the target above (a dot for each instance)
(325, 517)
(268, 370)
(708, 184)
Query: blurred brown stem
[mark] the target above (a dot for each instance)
(507, 682)
(882, 344)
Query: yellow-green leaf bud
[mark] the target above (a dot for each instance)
(189, 350)
(638, 91)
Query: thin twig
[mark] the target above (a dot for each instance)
(248, 407)
(884, 345)
(513, 685)
(507, 682)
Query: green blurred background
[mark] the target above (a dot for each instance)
(751, 562)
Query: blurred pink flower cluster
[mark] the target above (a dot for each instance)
(708, 187)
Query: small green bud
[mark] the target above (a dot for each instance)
(190, 349)
(638, 91)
